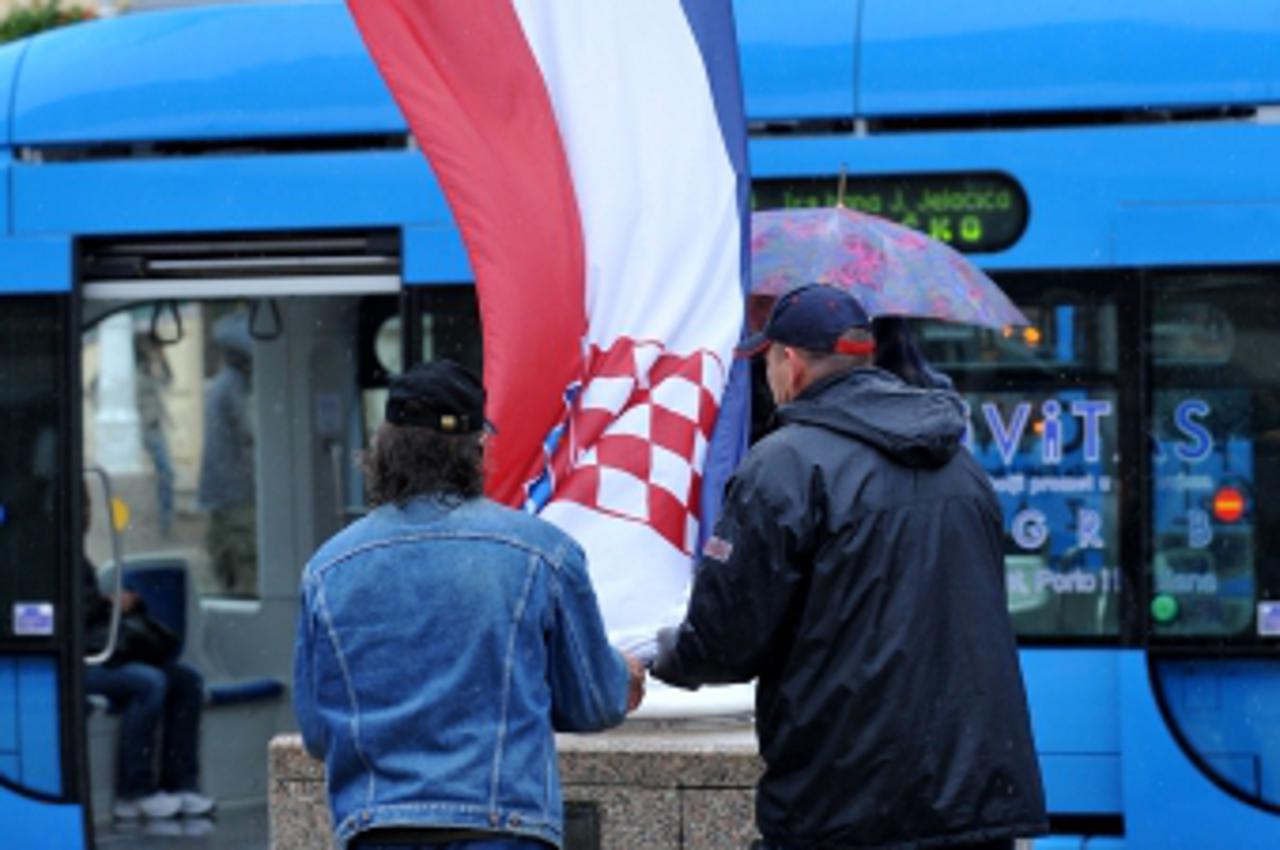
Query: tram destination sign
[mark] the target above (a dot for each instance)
(973, 213)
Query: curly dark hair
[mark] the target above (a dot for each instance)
(405, 461)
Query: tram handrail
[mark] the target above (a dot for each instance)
(117, 555)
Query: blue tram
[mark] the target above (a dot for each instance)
(1113, 167)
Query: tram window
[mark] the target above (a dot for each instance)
(386, 345)
(1043, 407)
(234, 442)
(1215, 351)
(1070, 331)
(174, 426)
(449, 327)
(32, 516)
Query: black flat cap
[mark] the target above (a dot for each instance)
(441, 395)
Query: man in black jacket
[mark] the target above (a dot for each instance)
(857, 570)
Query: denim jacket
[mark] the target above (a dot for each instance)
(438, 648)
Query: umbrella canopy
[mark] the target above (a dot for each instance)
(891, 269)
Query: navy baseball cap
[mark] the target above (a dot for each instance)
(813, 317)
(441, 395)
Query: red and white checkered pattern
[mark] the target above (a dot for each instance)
(638, 436)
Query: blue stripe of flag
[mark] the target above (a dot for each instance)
(712, 25)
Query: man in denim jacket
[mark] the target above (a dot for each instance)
(443, 638)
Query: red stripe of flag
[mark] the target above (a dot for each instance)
(471, 90)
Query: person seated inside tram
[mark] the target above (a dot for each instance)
(152, 699)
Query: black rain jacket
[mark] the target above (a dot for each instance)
(858, 571)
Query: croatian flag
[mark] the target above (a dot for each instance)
(594, 156)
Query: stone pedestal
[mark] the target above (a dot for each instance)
(297, 807)
(645, 786)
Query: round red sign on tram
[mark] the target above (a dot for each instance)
(1228, 504)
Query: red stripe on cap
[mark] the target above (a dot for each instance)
(474, 96)
(855, 348)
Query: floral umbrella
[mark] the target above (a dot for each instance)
(892, 270)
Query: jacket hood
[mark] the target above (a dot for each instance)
(916, 427)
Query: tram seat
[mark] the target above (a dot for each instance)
(162, 586)
(250, 690)
(162, 581)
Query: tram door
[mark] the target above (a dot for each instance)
(229, 427)
(41, 794)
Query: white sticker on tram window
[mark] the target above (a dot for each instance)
(1269, 618)
(32, 619)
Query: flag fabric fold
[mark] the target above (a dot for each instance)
(594, 157)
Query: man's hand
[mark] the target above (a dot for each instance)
(635, 691)
(666, 664)
(128, 601)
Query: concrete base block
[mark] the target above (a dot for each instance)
(644, 786)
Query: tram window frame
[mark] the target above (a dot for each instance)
(165, 330)
(458, 306)
(42, 323)
(1206, 376)
(1115, 291)
(62, 587)
(375, 313)
(1185, 666)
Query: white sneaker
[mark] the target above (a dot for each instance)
(195, 803)
(157, 805)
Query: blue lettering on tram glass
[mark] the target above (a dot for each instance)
(1091, 411)
(1051, 437)
(1030, 528)
(1200, 445)
(1199, 529)
(1064, 473)
(1089, 529)
(1007, 440)
(1008, 436)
